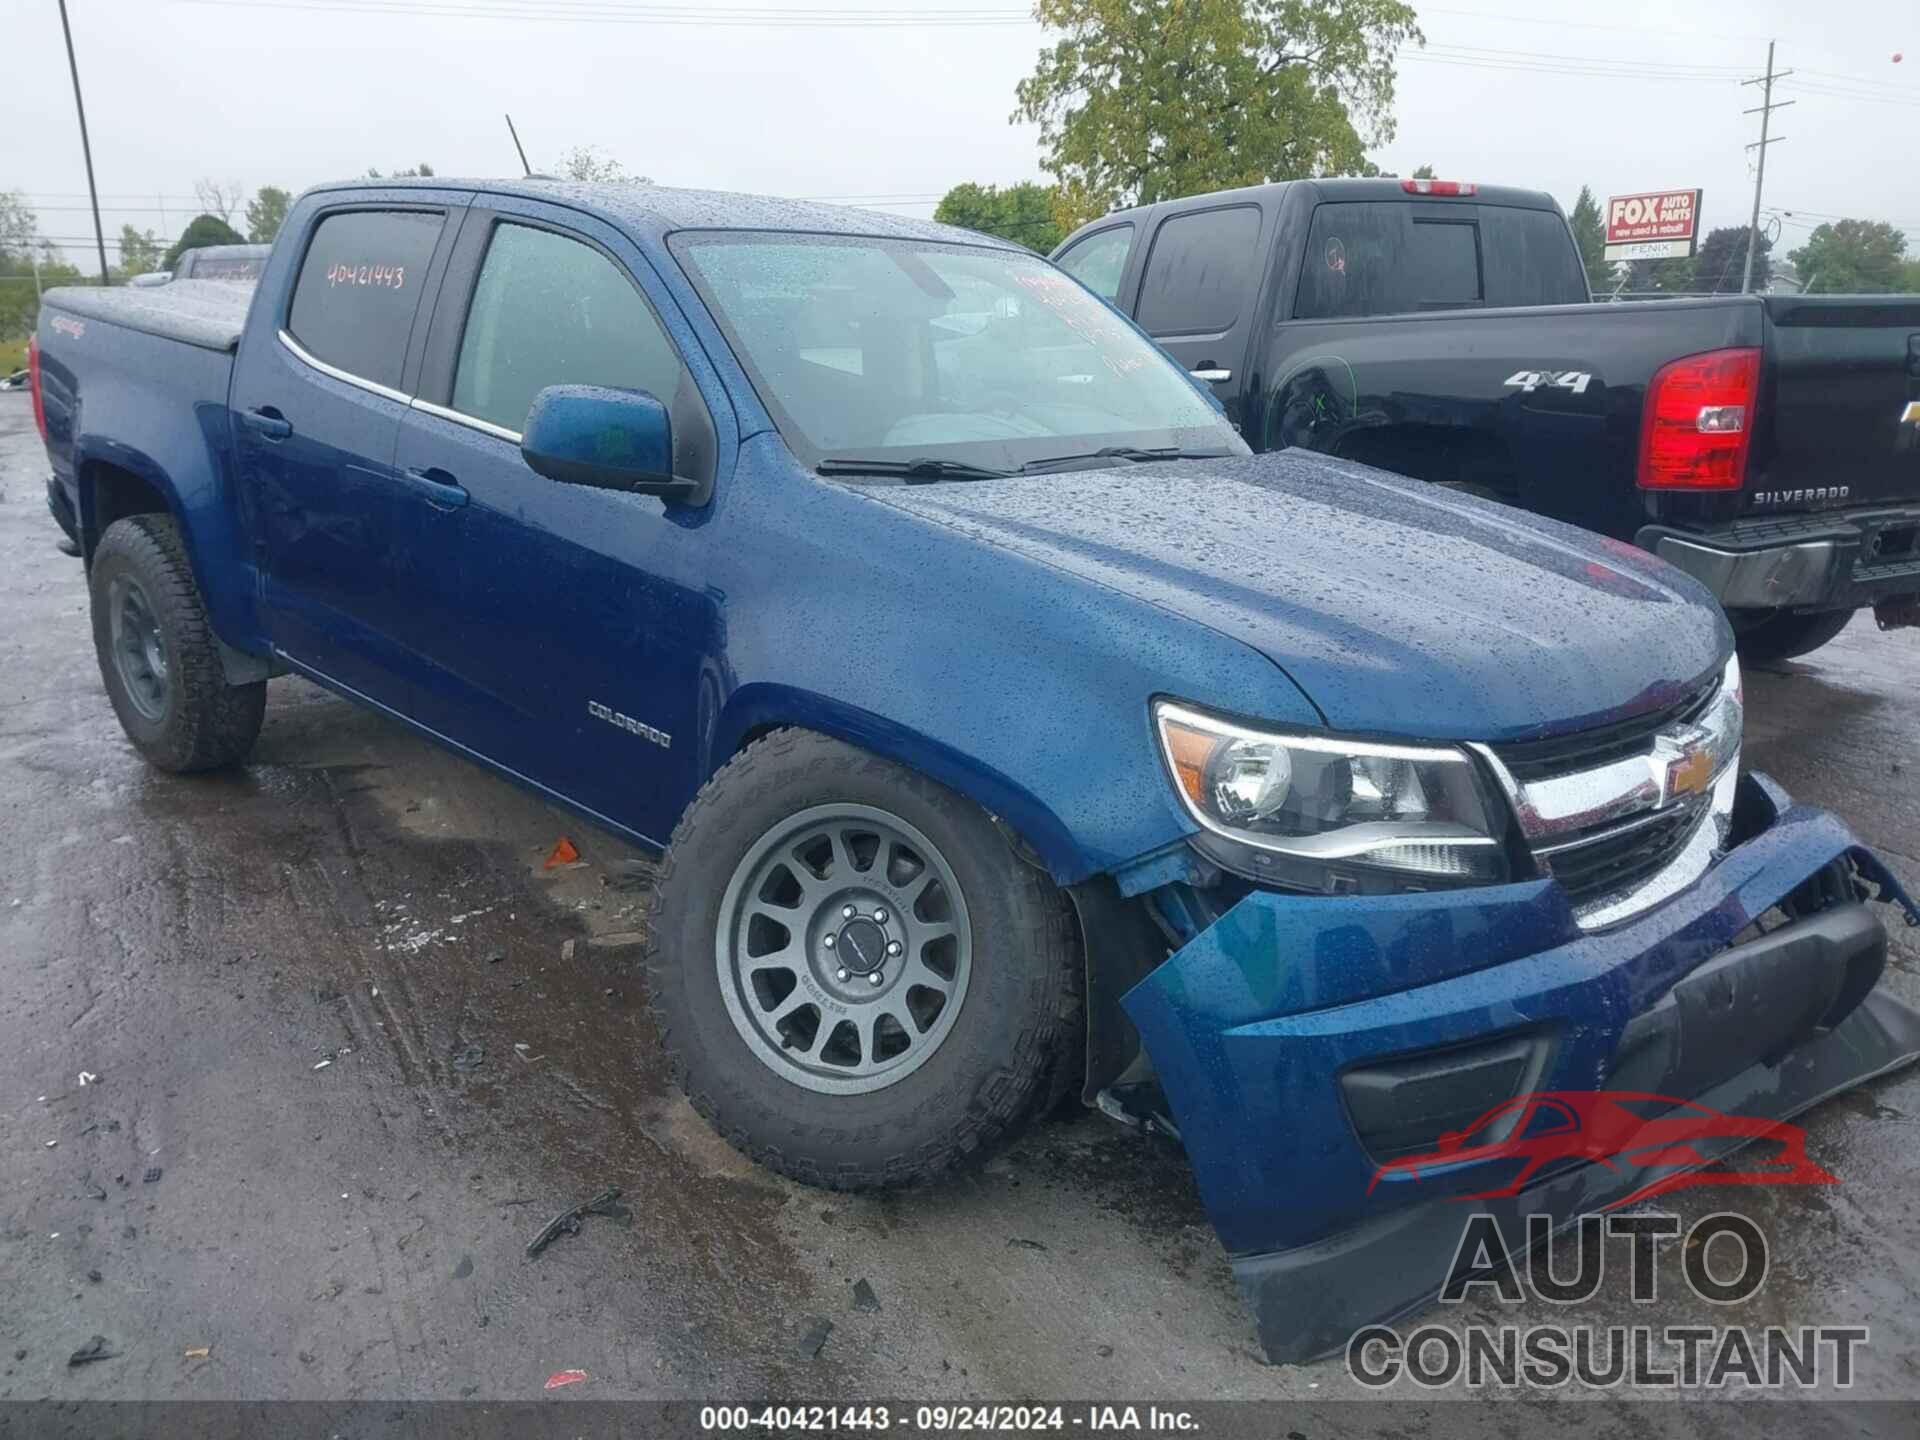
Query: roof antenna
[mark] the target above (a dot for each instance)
(518, 146)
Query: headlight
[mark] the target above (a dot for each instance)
(1328, 814)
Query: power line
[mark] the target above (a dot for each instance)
(634, 15)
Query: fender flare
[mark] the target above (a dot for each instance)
(753, 709)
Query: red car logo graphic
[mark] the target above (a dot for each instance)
(1676, 1143)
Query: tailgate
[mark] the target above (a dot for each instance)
(1844, 409)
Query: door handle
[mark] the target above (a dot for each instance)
(443, 492)
(1212, 375)
(268, 422)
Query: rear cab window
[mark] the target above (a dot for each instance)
(1098, 261)
(359, 289)
(1402, 257)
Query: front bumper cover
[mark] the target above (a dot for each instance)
(1250, 1025)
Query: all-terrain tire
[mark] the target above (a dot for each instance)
(203, 723)
(1782, 637)
(998, 1066)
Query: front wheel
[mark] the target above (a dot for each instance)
(1761, 637)
(857, 981)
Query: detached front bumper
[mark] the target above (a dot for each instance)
(1838, 560)
(1293, 1026)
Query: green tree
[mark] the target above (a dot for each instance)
(585, 162)
(1590, 236)
(139, 252)
(1144, 100)
(266, 213)
(1722, 261)
(1423, 172)
(201, 230)
(1910, 277)
(28, 264)
(1662, 277)
(1852, 257)
(421, 170)
(1022, 213)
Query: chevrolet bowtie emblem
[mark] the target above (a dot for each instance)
(1689, 761)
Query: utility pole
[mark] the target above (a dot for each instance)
(86, 149)
(1765, 111)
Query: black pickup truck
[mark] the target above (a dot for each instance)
(1768, 445)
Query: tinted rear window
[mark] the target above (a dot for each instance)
(1390, 258)
(1199, 272)
(359, 288)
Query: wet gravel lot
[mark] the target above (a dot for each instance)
(348, 1044)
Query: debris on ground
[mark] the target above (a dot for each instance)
(324, 1063)
(563, 853)
(628, 875)
(567, 1222)
(496, 957)
(564, 1377)
(864, 1300)
(464, 1268)
(93, 1277)
(197, 1352)
(566, 951)
(52, 1143)
(615, 940)
(470, 1058)
(94, 1349)
(815, 1339)
(1018, 1243)
(521, 1048)
(94, 1192)
(87, 1077)
(152, 1175)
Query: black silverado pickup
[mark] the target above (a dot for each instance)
(1768, 445)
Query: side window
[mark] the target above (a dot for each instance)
(359, 288)
(548, 310)
(1199, 272)
(1388, 258)
(1097, 261)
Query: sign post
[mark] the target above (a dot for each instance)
(1659, 225)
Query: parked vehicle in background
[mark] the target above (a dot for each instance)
(1019, 734)
(211, 262)
(1767, 445)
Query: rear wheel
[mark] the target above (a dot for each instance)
(158, 655)
(857, 981)
(1761, 637)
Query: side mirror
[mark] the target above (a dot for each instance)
(609, 439)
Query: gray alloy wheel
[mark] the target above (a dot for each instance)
(844, 949)
(139, 652)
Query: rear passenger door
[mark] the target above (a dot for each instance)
(540, 611)
(316, 415)
(1199, 290)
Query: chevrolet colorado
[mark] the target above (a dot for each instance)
(1011, 732)
(1767, 445)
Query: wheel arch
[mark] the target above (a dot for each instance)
(1032, 827)
(114, 488)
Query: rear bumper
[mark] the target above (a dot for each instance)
(1842, 560)
(1292, 1024)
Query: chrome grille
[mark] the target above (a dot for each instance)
(1627, 815)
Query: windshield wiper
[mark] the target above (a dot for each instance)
(1124, 452)
(924, 469)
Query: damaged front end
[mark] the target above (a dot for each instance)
(1712, 942)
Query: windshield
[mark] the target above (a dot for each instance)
(901, 350)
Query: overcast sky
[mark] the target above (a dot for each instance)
(1634, 95)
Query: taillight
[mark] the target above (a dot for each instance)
(1697, 422)
(33, 385)
(1439, 187)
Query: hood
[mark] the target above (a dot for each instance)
(1398, 607)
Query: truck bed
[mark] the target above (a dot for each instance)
(206, 313)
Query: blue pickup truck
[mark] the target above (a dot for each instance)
(1012, 734)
